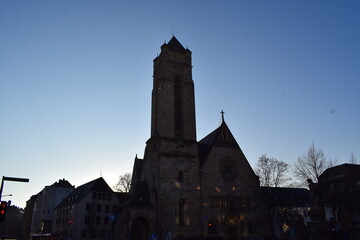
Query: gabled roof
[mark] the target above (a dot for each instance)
(97, 185)
(205, 145)
(287, 197)
(221, 136)
(175, 45)
(137, 169)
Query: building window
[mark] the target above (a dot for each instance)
(98, 220)
(180, 176)
(88, 207)
(106, 220)
(94, 195)
(107, 208)
(98, 208)
(181, 211)
(93, 233)
(83, 233)
(114, 209)
(87, 219)
(102, 234)
(109, 197)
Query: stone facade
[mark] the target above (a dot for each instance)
(184, 188)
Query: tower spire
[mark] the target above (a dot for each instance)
(222, 116)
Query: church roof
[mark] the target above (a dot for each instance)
(221, 136)
(175, 45)
(97, 185)
(205, 144)
(137, 169)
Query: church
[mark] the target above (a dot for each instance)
(184, 188)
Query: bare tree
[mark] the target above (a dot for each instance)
(272, 172)
(312, 165)
(352, 159)
(124, 183)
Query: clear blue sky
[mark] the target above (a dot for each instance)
(76, 79)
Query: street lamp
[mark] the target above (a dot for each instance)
(8, 195)
(12, 179)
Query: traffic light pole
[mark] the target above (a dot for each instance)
(12, 179)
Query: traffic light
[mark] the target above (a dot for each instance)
(3, 207)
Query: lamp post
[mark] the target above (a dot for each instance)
(8, 195)
(12, 179)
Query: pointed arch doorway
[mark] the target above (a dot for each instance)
(231, 223)
(140, 229)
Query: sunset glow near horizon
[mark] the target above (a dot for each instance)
(76, 81)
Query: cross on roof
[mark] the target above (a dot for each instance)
(222, 115)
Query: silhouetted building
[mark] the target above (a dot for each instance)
(184, 188)
(27, 218)
(336, 197)
(40, 208)
(11, 227)
(289, 211)
(88, 212)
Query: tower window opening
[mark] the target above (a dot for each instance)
(181, 211)
(178, 109)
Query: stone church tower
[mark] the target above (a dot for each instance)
(183, 188)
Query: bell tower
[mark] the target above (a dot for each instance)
(173, 100)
